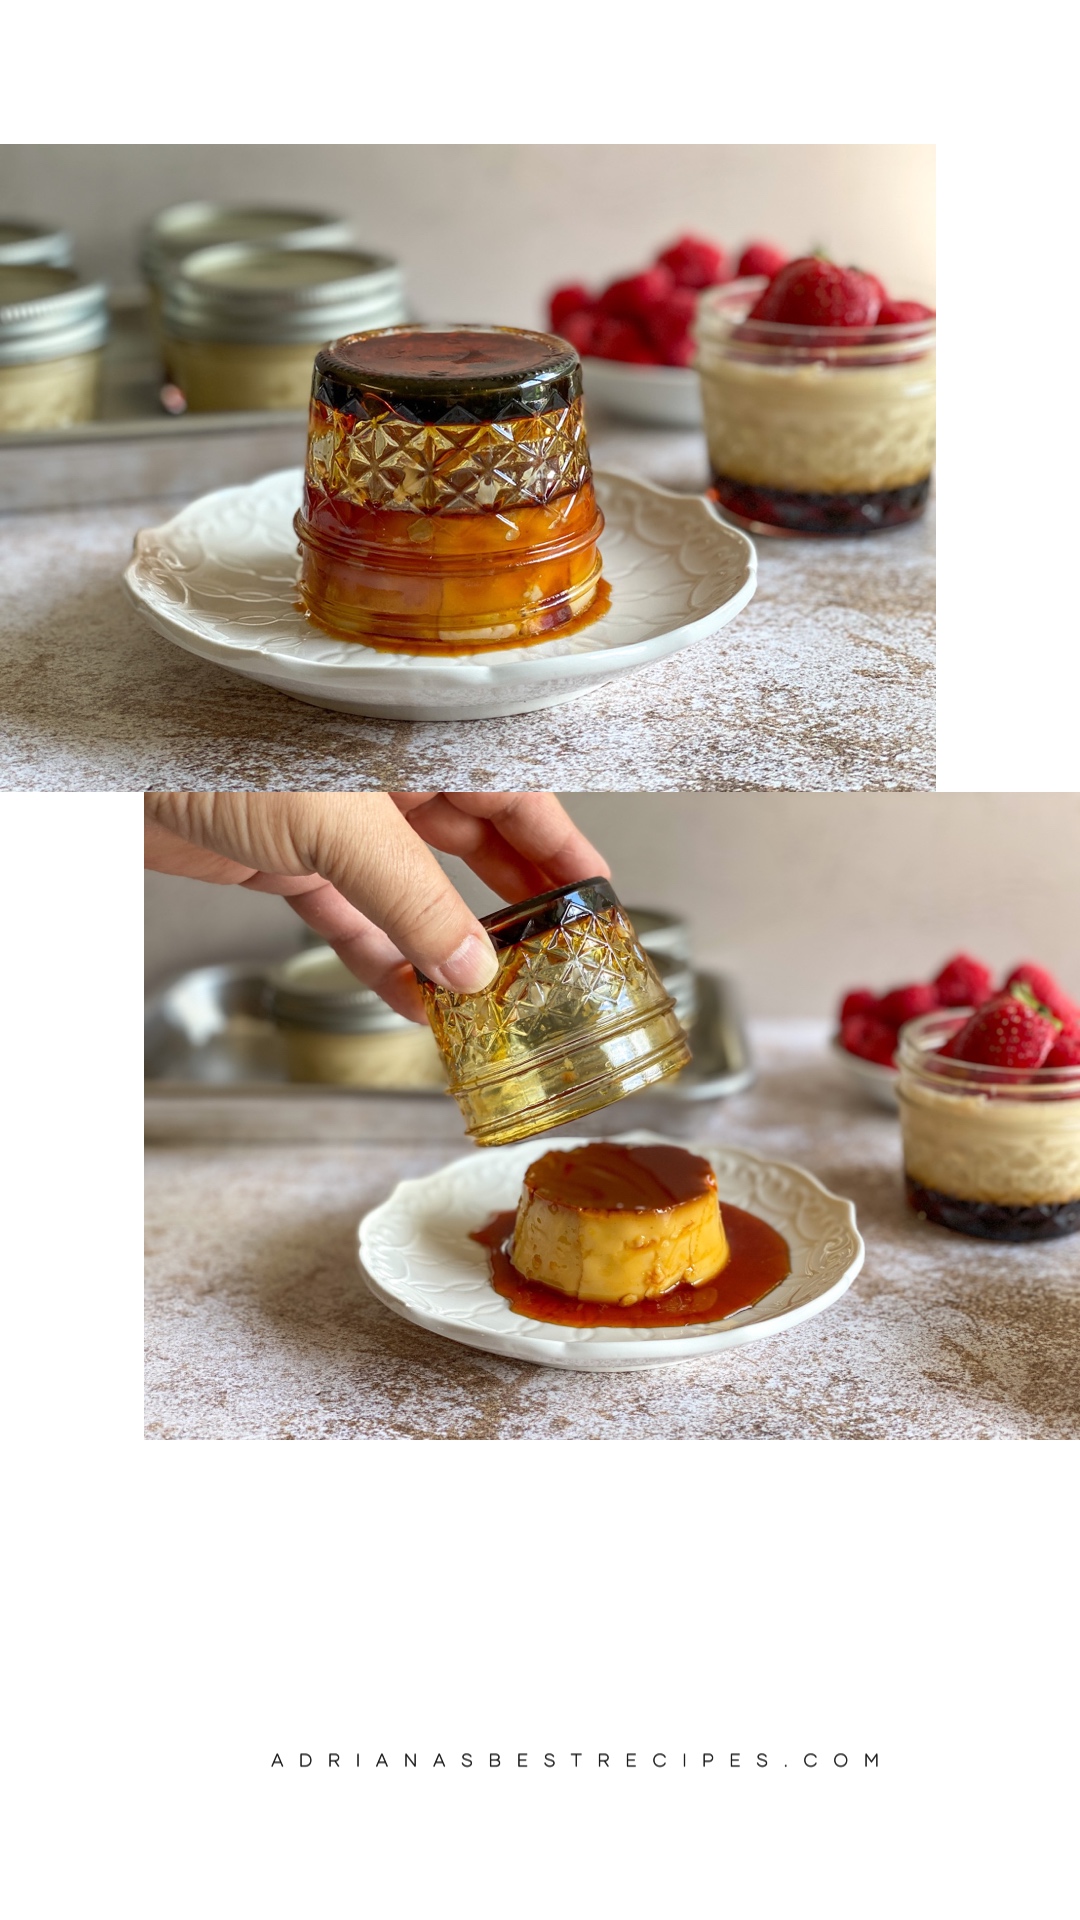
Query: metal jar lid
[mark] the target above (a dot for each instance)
(316, 990)
(661, 932)
(178, 231)
(24, 243)
(47, 313)
(263, 295)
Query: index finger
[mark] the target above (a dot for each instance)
(518, 843)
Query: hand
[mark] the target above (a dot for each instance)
(357, 868)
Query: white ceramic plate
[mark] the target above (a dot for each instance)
(869, 1076)
(658, 396)
(220, 581)
(418, 1260)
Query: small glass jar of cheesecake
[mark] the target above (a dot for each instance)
(339, 1033)
(53, 327)
(242, 324)
(815, 429)
(991, 1151)
(178, 231)
(575, 1018)
(448, 498)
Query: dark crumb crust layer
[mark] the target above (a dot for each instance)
(987, 1221)
(835, 513)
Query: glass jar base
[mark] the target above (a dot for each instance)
(778, 510)
(988, 1221)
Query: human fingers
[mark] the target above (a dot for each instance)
(365, 949)
(518, 843)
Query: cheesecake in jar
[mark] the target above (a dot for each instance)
(448, 498)
(988, 1150)
(815, 429)
(53, 328)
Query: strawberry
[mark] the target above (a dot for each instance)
(621, 340)
(565, 301)
(901, 313)
(1065, 1051)
(695, 263)
(1010, 1030)
(631, 299)
(668, 327)
(1045, 988)
(859, 1000)
(811, 292)
(871, 1039)
(580, 329)
(759, 257)
(906, 1003)
(963, 982)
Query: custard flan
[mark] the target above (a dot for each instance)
(619, 1224)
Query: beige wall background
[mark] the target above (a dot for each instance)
(484, 232)
(799, 895)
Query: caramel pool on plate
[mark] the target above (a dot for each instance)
(448, 497)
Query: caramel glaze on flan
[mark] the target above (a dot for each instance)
(619, 1224)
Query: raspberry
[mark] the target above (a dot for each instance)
(621, 340)
(1065, 1051)
(580, 329)
(859, 1000)
(759, 257)
(631, 299)
(870, 1039)
(668, 327)
(565, 301)
(695, 263)
(1046, 990)
(1007, 1031)
(811, 292)
(963, 982)
(900, 313)
(906, 1003)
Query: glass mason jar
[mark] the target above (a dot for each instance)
(574, 1019)
(819, 430)
(24, 243)
(448, 499)
(52, 331)
(992, 1151)
(337, 1032)
(242, 325)
(178, 231)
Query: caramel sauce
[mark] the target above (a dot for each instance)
(760, 1259)
(605, 1177)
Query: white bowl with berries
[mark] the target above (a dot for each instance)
(869, 1026)
(635, 337)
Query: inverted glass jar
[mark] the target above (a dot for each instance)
(989, 1151)
(819, 430)
(25, 243)
(242, 324)
(337, 1032)
(448, 498)
(574, 1019)
(52, 330)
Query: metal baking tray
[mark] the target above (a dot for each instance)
(135, 450)
(208, 1039)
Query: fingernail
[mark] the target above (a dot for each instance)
(470, 968)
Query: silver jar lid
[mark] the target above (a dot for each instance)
(262, 295)
(47, 313)
(316, 990)
(178, 231)
(24, 243)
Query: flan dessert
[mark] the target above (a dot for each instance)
(618, 1224)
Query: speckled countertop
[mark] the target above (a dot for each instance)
(261, 1328)
(824, 682)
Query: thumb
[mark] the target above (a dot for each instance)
(368, 851)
